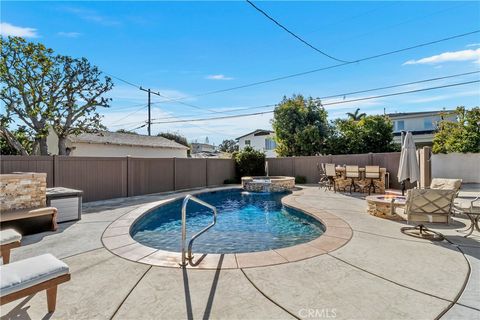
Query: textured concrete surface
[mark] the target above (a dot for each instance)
(379, 274)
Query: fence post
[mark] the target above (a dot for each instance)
(425, 167)
(293, 166)
(174, 173)
(206, 172)
(129, 179)
(370, 158)
(56, 174)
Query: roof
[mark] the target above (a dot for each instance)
(126, 139)
(422, 113)
(256, 133)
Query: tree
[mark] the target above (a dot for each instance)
(229, 146)
(461, 136)
(177, 137)
(369, 134)
(249, 162)
(19, 136)
(300, 127)
(49, 91)
(356, 116)
(25, 78)
(76, 90)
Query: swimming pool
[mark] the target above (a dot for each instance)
(246, 222)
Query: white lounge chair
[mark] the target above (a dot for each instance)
(9, 239)
(25, 277)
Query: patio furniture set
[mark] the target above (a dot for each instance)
(352, 177)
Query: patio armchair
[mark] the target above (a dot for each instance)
(429, 205)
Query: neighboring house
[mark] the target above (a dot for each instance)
(115, 144)
(422, 124)
(201, 148)
(261, 140)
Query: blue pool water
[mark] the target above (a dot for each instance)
(246, 222)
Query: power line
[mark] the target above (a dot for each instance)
(130, 114)
(329, 67)
(400, 85)
(361, 91)
(330, 103)
(293, 34)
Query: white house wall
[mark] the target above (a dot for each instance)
(257, 143)
(102, 150)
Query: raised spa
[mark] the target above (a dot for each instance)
(246, 222)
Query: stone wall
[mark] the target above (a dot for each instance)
(22, 190)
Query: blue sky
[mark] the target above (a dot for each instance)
(188, 48)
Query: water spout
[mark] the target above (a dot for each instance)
(266, 168)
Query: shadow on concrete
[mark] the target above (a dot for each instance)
(213, 288)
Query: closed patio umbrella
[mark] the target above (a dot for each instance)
(408, 168)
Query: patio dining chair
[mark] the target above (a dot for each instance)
(331, 175)
(352, 172)
(373, 174)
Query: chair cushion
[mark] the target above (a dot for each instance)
(9, 236)
(26, 273)
(446, 184)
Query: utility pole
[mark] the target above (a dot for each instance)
(149, 121)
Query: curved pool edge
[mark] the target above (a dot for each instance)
(117, 239)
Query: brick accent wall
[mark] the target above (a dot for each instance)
(22, 190)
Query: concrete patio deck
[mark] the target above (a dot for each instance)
(379, 274)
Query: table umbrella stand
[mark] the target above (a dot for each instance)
(422, 232)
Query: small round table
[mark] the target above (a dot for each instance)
(469, 207)
(384, 205)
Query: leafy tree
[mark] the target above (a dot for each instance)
(300, 127)
(229, 146)
(25, 79)
(22, 137)
(356, 116)
(249, 162)
(44, 90)
(76, 90)
(461, 136)
(369, 134)
(177, 137)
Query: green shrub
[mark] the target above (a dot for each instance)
(249, 162)
(231, 181)
(300, 179)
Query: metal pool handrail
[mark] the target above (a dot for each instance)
(184, 226)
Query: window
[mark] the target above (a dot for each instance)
(400, 125)
(427, 123)
(269, 144)
(247, 142)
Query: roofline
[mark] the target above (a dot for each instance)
(253, 132)
(406, 114)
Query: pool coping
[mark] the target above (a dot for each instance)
(116, 239)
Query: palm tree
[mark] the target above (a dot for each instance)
(356, 115)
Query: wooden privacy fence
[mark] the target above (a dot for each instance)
(103, 178)
(307, 166)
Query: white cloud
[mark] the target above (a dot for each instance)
(92, 15)
(473, 45)
(218, 77)
(69, 34)
(436, 97)
(463, 55)
(7, 29)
